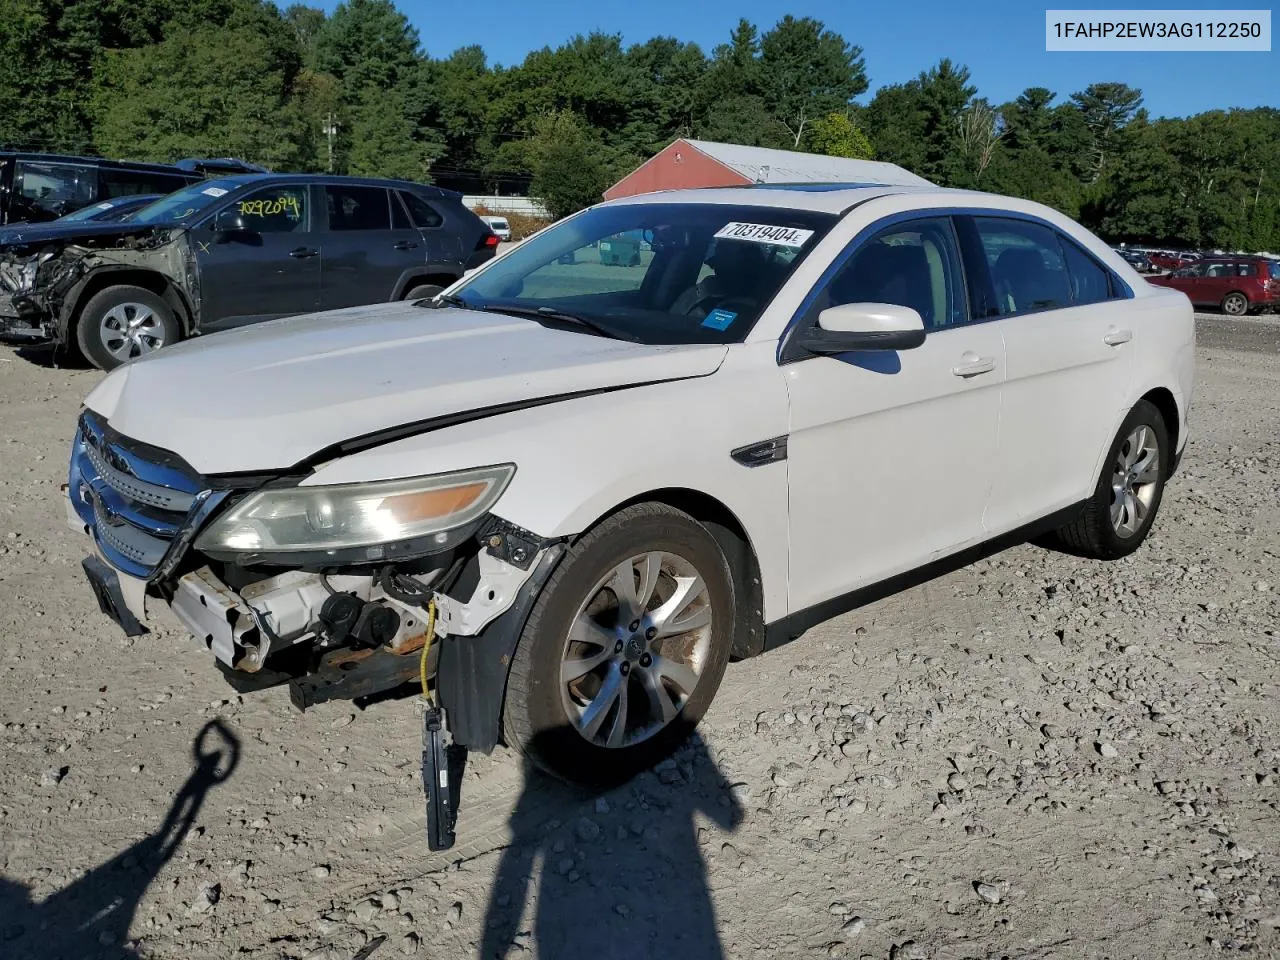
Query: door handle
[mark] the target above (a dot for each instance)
(1114, 338)
(971, 366)
(303, 253)
(405, 245)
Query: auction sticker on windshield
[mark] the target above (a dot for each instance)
(764, 233)
(214, 192)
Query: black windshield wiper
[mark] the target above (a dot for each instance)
(550, 314)
(448, 300)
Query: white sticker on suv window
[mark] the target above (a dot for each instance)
(214, 192)
(765, 233)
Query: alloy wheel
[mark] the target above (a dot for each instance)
(130, 330)
(1135, 477)
(636, 649)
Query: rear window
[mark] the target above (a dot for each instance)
(424, 215)
(1275, 270)
(358, 208)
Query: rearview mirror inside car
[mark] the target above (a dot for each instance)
(865, 326)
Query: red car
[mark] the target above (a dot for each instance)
(1239, 285)
(1166, 260)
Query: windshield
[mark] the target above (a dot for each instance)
(655, 272)
(188, 202)
(89, 213)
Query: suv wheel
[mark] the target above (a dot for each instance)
(1235, 304)
(624, 649)
(121, 323)
(1117, 518)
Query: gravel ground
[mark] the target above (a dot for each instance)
(1036, 756)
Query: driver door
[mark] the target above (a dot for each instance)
(258, 258)
(891, 454)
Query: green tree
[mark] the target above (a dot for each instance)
(214, 86)
(569, 169)
(807, 71)
(838, 136)
(1106, 108)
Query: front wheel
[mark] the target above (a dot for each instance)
(121, 323)
(1235, 304)
(1117, 518)
(624, 649)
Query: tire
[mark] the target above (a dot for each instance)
(124, 322)
(1096, 533)
(1235, 304)
(550, 721)
(422, 291)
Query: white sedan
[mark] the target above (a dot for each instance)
(582, 483)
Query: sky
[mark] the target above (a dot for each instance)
(1001, 41)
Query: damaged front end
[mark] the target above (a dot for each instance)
(41, 280)
(278, 581)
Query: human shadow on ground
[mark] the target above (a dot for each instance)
(90, 918)
(618, 873)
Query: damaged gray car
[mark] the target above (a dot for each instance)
(230, 251)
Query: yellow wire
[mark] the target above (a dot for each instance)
(426, 648)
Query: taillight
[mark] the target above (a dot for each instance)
(488, 240)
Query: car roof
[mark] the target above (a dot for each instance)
(335, 179)
(95, 161)
(816, 197)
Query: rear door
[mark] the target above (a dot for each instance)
(1069, 338)
(368, 252)
(258, 258)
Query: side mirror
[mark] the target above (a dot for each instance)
(228, 224)
(864, 326)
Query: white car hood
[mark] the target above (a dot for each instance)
(268, 396)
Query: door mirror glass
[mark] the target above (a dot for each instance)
(866, 326)
(230, 221)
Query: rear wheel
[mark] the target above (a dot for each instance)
(121, 323)
(1117, 518)
(1235, 304)
(624, 649)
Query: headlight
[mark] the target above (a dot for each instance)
(364, 517)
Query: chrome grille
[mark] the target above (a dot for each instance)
(137, 501)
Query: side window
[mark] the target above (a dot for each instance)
(1194, 271)
(1246, 270)
(1090, 283)
(47, 190)
(274, 210)
(913, 264)
(424, 215)
(1026, 264)
(358, 208)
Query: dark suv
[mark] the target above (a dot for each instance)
(234, 250)
(35, 187)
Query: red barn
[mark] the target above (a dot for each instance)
(701, 163)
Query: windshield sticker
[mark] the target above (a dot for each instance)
(719, 319)
(764, 233)
(214, 192)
